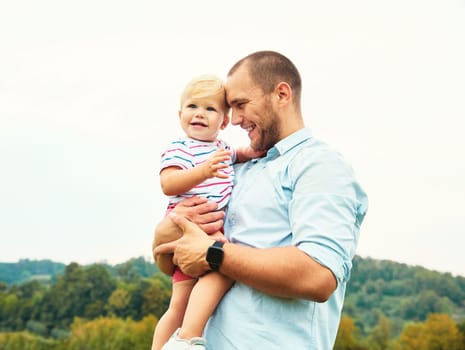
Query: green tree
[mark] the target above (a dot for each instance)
(79, 292)
(136, 301)
(379, 337)
(426, 302)
(9, 306)
(65, 299)
(100, 286)
(157, 297)
(136, 267)
(118, 303)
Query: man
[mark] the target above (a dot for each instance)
(292, 223)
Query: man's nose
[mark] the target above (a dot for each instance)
(235, 117)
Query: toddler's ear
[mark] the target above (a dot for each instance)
(225, 121)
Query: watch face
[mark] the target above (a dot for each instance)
(215, 255)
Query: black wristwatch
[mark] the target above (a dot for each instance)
(215, 255)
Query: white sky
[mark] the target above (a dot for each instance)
(89, 97)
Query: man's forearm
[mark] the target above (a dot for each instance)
(283, 271)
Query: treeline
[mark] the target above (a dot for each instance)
(438, 332)
(102, 333)
(25, 270)
(400, 292)
(86, 292)
(47, 271)
(388, 306)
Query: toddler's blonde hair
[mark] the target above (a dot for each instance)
(205, 85)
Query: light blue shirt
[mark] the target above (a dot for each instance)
(302, 194)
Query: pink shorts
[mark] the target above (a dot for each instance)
(179, 276)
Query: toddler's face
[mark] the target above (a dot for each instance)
(203, 118)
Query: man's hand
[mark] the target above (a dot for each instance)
(202, 212)
(189, 250)
(196, 209)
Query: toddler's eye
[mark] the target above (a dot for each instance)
(212, 109)
(191, 105)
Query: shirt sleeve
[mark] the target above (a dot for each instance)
(326, 210)
(177, 154)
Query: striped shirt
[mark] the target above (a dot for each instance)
(186, 153)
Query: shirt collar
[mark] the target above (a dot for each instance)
(289, 142)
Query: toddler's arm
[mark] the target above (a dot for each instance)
(175, 181)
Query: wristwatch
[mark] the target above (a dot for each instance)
(215, 255)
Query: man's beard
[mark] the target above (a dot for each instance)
(269, 132)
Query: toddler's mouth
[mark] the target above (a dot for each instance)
(198, 124)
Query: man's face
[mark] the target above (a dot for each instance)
(252, 110)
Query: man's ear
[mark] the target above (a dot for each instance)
(283, 91)
(225, 122)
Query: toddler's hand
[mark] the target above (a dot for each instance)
(219, 160)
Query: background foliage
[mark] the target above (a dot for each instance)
(48, 305)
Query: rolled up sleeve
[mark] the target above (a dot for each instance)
(326, 211)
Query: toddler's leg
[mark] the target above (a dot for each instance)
(203, 300)
(172, 318)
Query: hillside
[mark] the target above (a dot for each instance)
(377, 288)
(25, 270)
(46, 270)
(401, 293)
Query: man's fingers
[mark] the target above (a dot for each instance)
(196, 209)
(193, 201)
(206, 207)
(201, 211)
(212, 227)
(181, 221)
